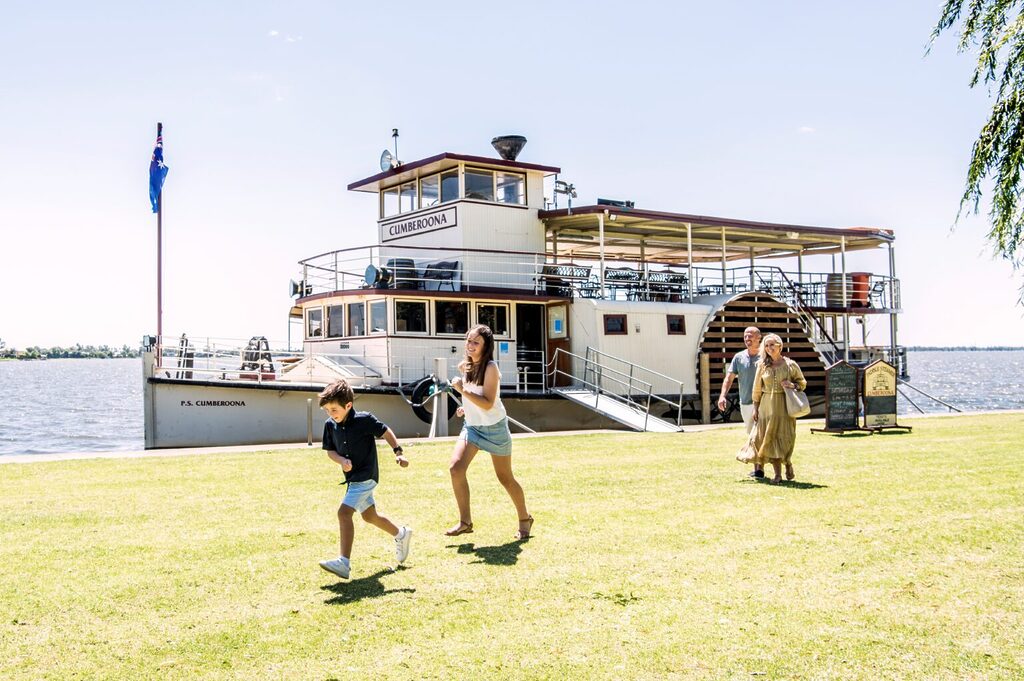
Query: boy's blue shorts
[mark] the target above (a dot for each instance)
(494, 439)
(359, 495)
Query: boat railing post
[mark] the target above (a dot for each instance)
(309, 421)
(148, 401)
(679, 407)
(705, 388)
(440, 426)
(336, 271)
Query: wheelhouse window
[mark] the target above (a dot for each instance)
(449, 186)
(314, 322)
(430, 190)
(407, 197)
(335, 321)
(676, 324)
(379, 316)
(510, 188)
(389, 202)
(451, 316)
(356, 319)
(494, 316)
(479, 184)
(410, 316)
(615, 325)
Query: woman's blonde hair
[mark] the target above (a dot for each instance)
(762, 354)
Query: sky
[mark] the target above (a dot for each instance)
(808, 113)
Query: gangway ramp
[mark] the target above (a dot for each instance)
(614, 408)
(612, 387)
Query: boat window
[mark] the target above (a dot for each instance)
(314, 322)
(451, 316)
(676, 324)
(494, 316)
(410, 316)
(407, 197)
(430, 190)
(335, 321)
(615, 325)
(389, 202)
(480, 185)
(449, 186)
(511, 188)
(379, 316)
(356, 319)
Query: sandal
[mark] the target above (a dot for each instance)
(789, 472)
(461, 528)
(525, 534)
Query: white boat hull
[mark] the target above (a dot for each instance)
(202, 414)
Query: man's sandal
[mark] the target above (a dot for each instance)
(461, 528)
(528, 522)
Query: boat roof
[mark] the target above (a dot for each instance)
(655, 236)
(428, 166)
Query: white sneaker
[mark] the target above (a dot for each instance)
(402, 544)
(337, 566)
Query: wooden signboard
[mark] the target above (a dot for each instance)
(879, 390)
(842, 398)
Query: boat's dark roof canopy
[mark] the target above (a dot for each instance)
(428, 166)
(657, 236)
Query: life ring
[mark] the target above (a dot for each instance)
(421, 393)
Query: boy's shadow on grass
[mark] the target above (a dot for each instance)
(503, 554)
(364, 587)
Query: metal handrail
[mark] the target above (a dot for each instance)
(600, 375)
(678, 405)
(900, 381)
(802, 310)
(599, 390)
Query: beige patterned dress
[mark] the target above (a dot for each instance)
(776, 429)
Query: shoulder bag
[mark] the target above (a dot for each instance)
(797, 404)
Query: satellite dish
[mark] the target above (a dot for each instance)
(387, 161)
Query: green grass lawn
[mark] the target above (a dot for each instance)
(895, 556)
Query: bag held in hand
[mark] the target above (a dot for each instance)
(748, 453)
(797, 403)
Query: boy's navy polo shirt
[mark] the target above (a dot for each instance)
(355, 438)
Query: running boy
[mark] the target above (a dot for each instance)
(350, 439)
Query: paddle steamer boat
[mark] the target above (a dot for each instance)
(605, 315)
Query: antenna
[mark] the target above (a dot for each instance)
(563, 187)
(389, 161)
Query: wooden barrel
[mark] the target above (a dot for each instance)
(834, 290)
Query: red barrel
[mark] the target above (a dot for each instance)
(861, 289)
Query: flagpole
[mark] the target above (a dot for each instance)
(159, 265)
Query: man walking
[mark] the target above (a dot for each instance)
(744, 365)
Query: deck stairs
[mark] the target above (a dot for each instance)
(628, 403)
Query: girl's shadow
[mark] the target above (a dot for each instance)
(791, 484)
(364, 587)
(503, 554)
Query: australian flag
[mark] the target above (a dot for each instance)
(157, 169)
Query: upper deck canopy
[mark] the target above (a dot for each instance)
(656, 236)
(427, 166)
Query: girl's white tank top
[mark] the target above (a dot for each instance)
(475, 416)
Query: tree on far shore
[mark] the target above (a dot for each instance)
(995, 28)
(78, 351)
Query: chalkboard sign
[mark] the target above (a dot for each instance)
(879, 395)
(841, 393)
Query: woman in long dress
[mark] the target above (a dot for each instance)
(776, 429)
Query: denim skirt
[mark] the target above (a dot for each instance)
(494, 439)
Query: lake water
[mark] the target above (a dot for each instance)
(80, 405)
